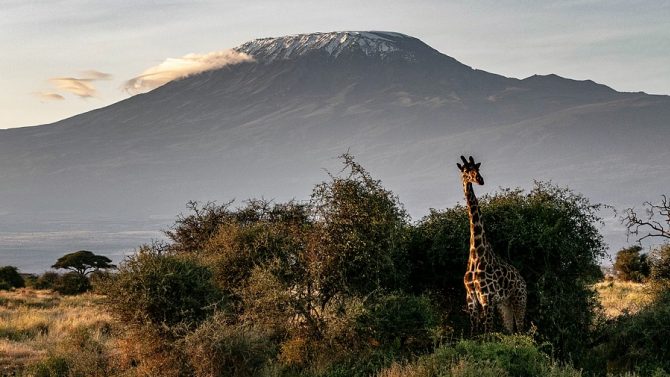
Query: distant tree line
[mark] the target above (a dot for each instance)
(81, 263)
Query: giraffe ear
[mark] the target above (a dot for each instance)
(459, 166)
(477, 165)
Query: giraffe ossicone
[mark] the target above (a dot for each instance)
(489, 282)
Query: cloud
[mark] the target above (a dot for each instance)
(82, 86)
(49, 96)
(174, 68)
(78, 87)
(95, 75)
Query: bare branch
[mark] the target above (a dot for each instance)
(655, 224)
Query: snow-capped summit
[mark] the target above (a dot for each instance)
(371, 43)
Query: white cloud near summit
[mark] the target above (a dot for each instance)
(174, 68)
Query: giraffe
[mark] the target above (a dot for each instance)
(489, 282)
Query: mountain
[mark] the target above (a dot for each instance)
(268, 128)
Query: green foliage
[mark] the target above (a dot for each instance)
(361, 234)
(44, 281)
(549, 234)
(162, 290)
(10, 278)
(71, 283)
(640, 342)
(398, 319)
(221, 347)
(52, 366)
(83, 262)
(631, 265)
(503, 356)
(189, 233)
(439, 246)
(660, 267)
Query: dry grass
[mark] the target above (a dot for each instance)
(35, 324)
(619, 296)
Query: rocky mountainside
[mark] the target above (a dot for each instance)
(268, 127)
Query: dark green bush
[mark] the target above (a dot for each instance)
(631, 265)
(44, 281)
(398, 320)
(10, 278)
(71, 283)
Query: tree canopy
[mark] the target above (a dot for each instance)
(83, 262)
(631, 265)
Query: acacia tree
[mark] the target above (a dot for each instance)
(656, 223)
(83, 262)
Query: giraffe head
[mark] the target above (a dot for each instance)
(470, 171)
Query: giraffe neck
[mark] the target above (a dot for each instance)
(478, 244)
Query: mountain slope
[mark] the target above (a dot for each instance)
(268, 127)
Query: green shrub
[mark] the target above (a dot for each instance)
(44, 281)
(220, 347)
(10, 278)
(361, 243)
(162, 290)
(502, 356)
(398, 320)
(71, 283)
(631, 265)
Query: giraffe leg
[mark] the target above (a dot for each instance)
(488, 318)
(507, 315)
(487, 313)
(519, 306)
(473, 310)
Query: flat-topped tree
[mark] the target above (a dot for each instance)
(83, 262)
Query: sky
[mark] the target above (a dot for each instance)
(61, 58)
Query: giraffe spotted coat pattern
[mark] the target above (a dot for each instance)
(489, 282)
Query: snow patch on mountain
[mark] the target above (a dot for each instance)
(372, 43)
